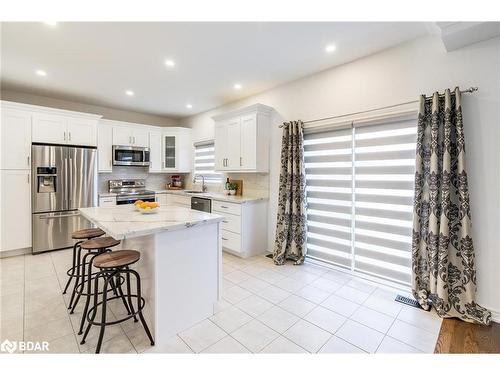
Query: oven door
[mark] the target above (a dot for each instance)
(131, 156)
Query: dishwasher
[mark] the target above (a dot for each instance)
(201, 204)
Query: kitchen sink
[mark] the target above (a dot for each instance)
(193, 191)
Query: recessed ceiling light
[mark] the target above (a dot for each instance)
(330, 48)
(170, 63)
(189, 105)
(237, 86)
(51, 23)
(41, 73)
(129, 93)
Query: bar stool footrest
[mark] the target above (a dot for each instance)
(98, 323)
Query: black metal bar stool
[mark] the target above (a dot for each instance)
(94, 247)
(74, 272)
(111, 265)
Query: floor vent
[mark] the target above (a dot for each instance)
(408, 301)
(269, 256)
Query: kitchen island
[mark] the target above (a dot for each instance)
(180, 266)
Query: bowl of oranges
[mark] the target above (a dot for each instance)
(146, 207)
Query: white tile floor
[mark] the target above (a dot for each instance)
(265, 308)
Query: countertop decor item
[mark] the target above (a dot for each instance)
(239, 186)
(232, 188)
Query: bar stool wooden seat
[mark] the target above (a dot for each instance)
(111, 265)
(73, 273)
(95, 247)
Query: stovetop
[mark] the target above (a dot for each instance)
(129, 187)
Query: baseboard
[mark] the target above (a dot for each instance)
(15, 252)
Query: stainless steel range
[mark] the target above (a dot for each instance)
(128, 191)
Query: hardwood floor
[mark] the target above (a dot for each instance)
(456, 336)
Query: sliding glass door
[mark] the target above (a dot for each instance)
(360, 197)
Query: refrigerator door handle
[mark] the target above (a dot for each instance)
(58, 216)
(66, 187)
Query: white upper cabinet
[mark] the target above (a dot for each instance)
(249, 143)
(220, 145)
(122, 136)
(155, 151)
(242, 139)
(177, 147)
(82, 132)
(15, 139)
(49, 128)
(140, 135)
(105, 147)
(131, 135)
(23, 124)
(64, 129)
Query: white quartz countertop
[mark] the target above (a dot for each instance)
(216, 196)
(124, 221)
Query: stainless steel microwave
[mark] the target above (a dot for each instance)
(131, 156)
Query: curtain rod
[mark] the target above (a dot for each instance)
(468, 91)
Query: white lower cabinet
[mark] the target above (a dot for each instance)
(15, 209)
(244, 228)
(107, 201)
(178, 200)
(162, 198)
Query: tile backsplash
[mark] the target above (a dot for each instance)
(254, 184)
(154, 181)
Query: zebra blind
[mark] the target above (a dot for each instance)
(328, 163)
(204, 162)
(360, 185)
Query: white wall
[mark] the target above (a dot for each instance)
(106, 112)
(394, 76)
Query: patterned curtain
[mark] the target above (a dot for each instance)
(290, 242)
(443, 267)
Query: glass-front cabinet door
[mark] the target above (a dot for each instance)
(170, 145)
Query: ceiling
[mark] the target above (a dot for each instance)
(96, 63)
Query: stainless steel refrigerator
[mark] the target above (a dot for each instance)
(64, 180)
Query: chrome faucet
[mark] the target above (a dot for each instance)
(203, 186)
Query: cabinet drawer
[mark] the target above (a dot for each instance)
(179, 200)
(229, 208)
(107, 201)
(231, 222)
(231, 241)
(161, 199)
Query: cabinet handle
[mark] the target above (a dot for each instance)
(69, 136)
(223, 207)
(224, 239)
(64, 135)
(241, 163)
(224, 221)
(28, 178)
(28, 160)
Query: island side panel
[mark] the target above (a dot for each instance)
(146, 269)
(187, 274)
